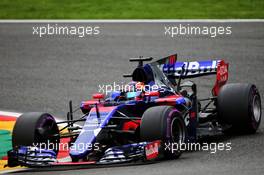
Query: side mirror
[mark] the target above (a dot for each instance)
(98, 96)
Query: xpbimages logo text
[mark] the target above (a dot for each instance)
(50, 146)
(65, 30)
(209, 147)
(130, 87)
(191, 30)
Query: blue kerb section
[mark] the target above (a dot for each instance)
(87, 137)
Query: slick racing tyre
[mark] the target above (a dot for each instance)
(35, 128)
(239, 105)
(164, 123)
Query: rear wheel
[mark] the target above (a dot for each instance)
(166, 124)
(239, 105)
(35, 129)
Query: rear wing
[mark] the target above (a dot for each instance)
(173, 69)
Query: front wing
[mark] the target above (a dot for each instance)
(34, 157)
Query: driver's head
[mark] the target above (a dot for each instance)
(139, 86)
(134, 86)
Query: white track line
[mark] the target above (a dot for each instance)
(130, 20)
(13, 170)
(10, 114)
(16, 114)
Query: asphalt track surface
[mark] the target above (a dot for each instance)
(43, 74)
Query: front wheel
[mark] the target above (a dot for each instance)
(36, 129)
(164, 123)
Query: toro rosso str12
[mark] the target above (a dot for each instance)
(136, 125)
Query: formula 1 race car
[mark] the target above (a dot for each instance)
(138, 123)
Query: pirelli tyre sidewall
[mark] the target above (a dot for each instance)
(164, 123)
(239, 105)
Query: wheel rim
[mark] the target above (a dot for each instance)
(177, 131)
(256, 108)
(47, 123)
